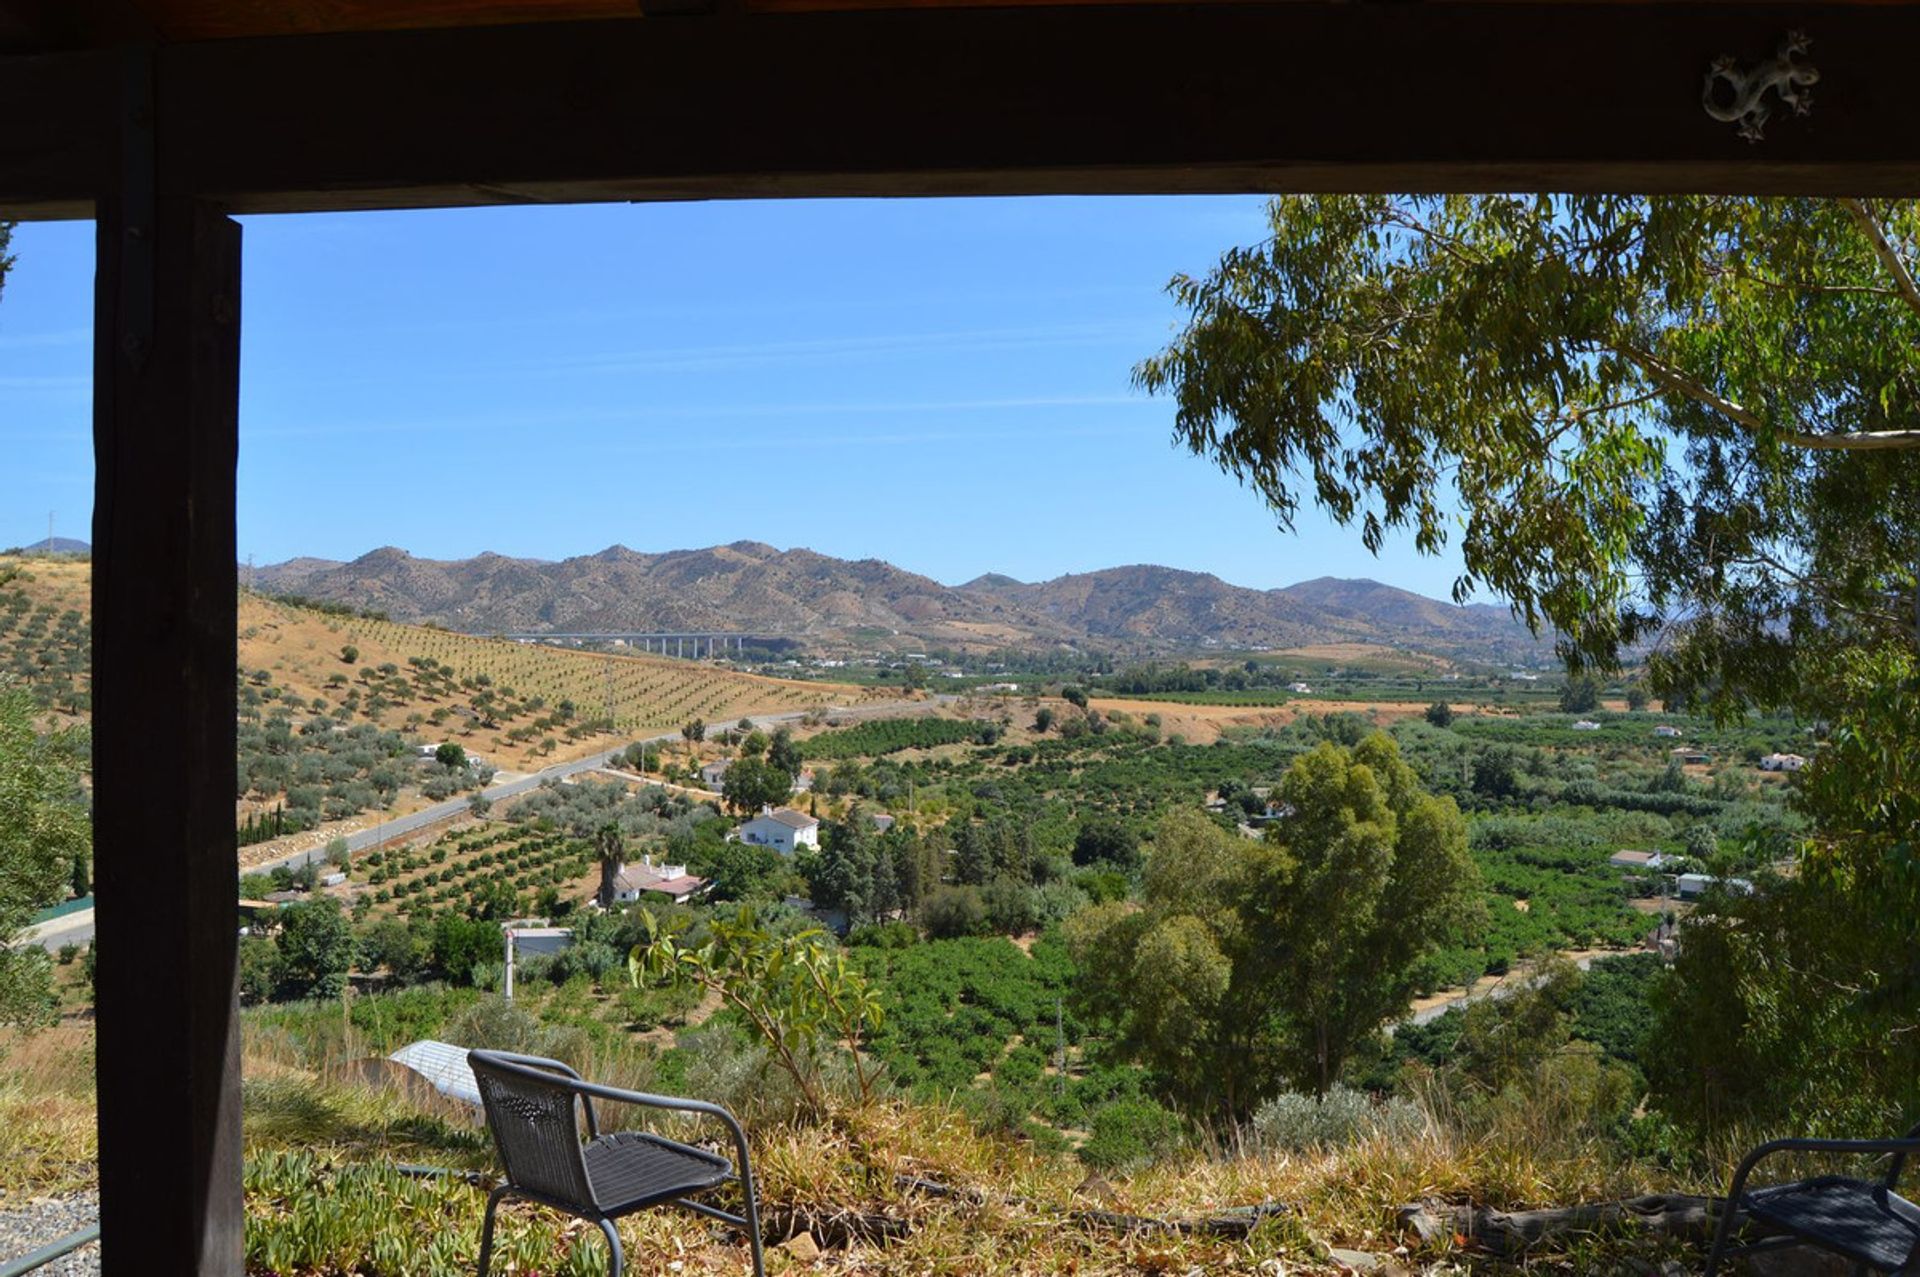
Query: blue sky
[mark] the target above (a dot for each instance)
(940, 383)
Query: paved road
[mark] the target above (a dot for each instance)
(1506, 988)
(77, 927)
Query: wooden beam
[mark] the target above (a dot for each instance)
(166, 411)
(1296, 96)
(1300, 96)
(43, 26)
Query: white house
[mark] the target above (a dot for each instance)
(880, 821)
(1667, 729)
(1638, 860)
(1693, 886)
(646, 878)
(1586, 725)
(1782, 763)
(714, 774)
(803, 783)
(782, 829)
(1300, 689)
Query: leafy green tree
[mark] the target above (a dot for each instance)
(317, 949)
(1253, 965)
(391, 944)
(754, 744)
(742, 871)
(1792, 1008)
(1074, 696)
(260, 973)
(1108, 843)
(1689, 415)
(693, 731)
(796, 992)
(1440, 714)
(783, 753)
(1636, 697)
(843, 876)
(80, 882)
(462, 946)
(1580, 694)
(43, 830)
(1701, 842)
(452, 756)
(1043, 719)
(753, 783)
(951, 912)
(349, 654)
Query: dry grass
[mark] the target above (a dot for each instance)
(48, 1138)
(1013, 1212)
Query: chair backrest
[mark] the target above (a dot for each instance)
(534, 1116)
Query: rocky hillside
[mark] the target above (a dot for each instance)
(751, 586)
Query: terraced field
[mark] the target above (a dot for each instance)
(411, 880)
(522, 706)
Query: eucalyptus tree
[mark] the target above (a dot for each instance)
(1695, 420)
(1689, 426)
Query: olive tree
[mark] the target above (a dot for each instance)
(44, 830)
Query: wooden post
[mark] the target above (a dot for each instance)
(166, 411)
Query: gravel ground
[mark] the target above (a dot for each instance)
(31, 1222)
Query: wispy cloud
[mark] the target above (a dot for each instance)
(728, 443)
(52, 337)
(644, 416)
(851, 346)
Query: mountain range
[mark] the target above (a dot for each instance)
(869, 603)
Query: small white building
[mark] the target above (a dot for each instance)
(1586, 725)
(1300, 689)
(714, 774)
(1667, 730)
(803, 783)
(880, 820)
(1693, 886)
(783, 829)
(1650, 860)
(1782, 763)
(672, 882)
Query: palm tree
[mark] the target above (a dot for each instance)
(611, 848)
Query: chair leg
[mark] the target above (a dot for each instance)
(618, 1259)
(753, 1213)
(486, 1229)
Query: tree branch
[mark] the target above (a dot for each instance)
(1678, 382)
(1883, 249)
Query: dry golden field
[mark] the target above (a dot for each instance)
(425, 680)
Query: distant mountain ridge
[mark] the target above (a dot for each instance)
(751, 586)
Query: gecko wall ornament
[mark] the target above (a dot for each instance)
(1740, 97)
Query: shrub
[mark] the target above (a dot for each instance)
(1132, 1133)
(1295, 1121)
(951, 912)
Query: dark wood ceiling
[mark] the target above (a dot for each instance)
(30, 26)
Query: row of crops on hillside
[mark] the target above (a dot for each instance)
(47, 649)
(639, 692)
(891, 735)
(457, 866)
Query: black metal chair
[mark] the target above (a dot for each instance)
(533, 1107)
(1864, 1221)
